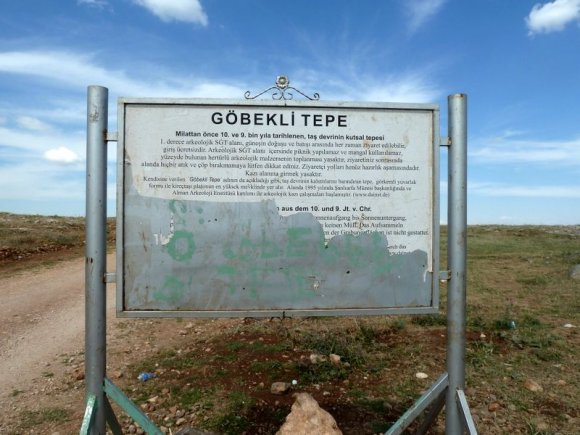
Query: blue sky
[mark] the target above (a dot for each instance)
(517, 60)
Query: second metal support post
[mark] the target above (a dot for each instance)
(96, 252)
(456, 258)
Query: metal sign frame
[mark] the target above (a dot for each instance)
(447, 391)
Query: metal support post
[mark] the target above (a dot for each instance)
(96, 252)
(456, 258)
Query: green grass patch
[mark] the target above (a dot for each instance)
(480, 353)
(233, 419)
(350, 347)
(260, 346)
(235, 346)
(266, 366)
(430, 320)
(309, 373)
(30, 419)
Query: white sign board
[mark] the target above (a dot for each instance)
(262, 207)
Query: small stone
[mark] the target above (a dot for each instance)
(421, 375)
(180, 413)
(316, 358)
(180, 421)
(561, 382)
(334, 359)
(280, 388)
(140, 431)
(531, 385)
(575, 272)
(569, 325)
(132, 428)
(118, 374)
(482, 336)
(493, 407)
(326, 393)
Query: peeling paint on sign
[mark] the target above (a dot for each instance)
(230, 256)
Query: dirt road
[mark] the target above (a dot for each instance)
(41, 319)
(42, 314)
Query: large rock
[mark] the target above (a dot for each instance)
(307, 418)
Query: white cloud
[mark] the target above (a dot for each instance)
(32, 123)
(40, 141)
(407, 89)
(210, 89)
(553, 16)
(506, 190)
(355, 86)
(94, 3)
(176, 10)
(421, 11)
(41, 182)
(82, 70)
(527, 151)
(51, 64)
(61, 155)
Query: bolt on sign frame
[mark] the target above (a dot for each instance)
(254, 208)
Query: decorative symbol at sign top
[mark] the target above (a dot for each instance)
(281, 89)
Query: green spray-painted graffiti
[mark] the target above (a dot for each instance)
(181, 247)
(241, 252)
(172, 290)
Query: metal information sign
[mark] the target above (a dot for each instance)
(273, 209)
(230, 208)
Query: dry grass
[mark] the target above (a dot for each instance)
(31, 240)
